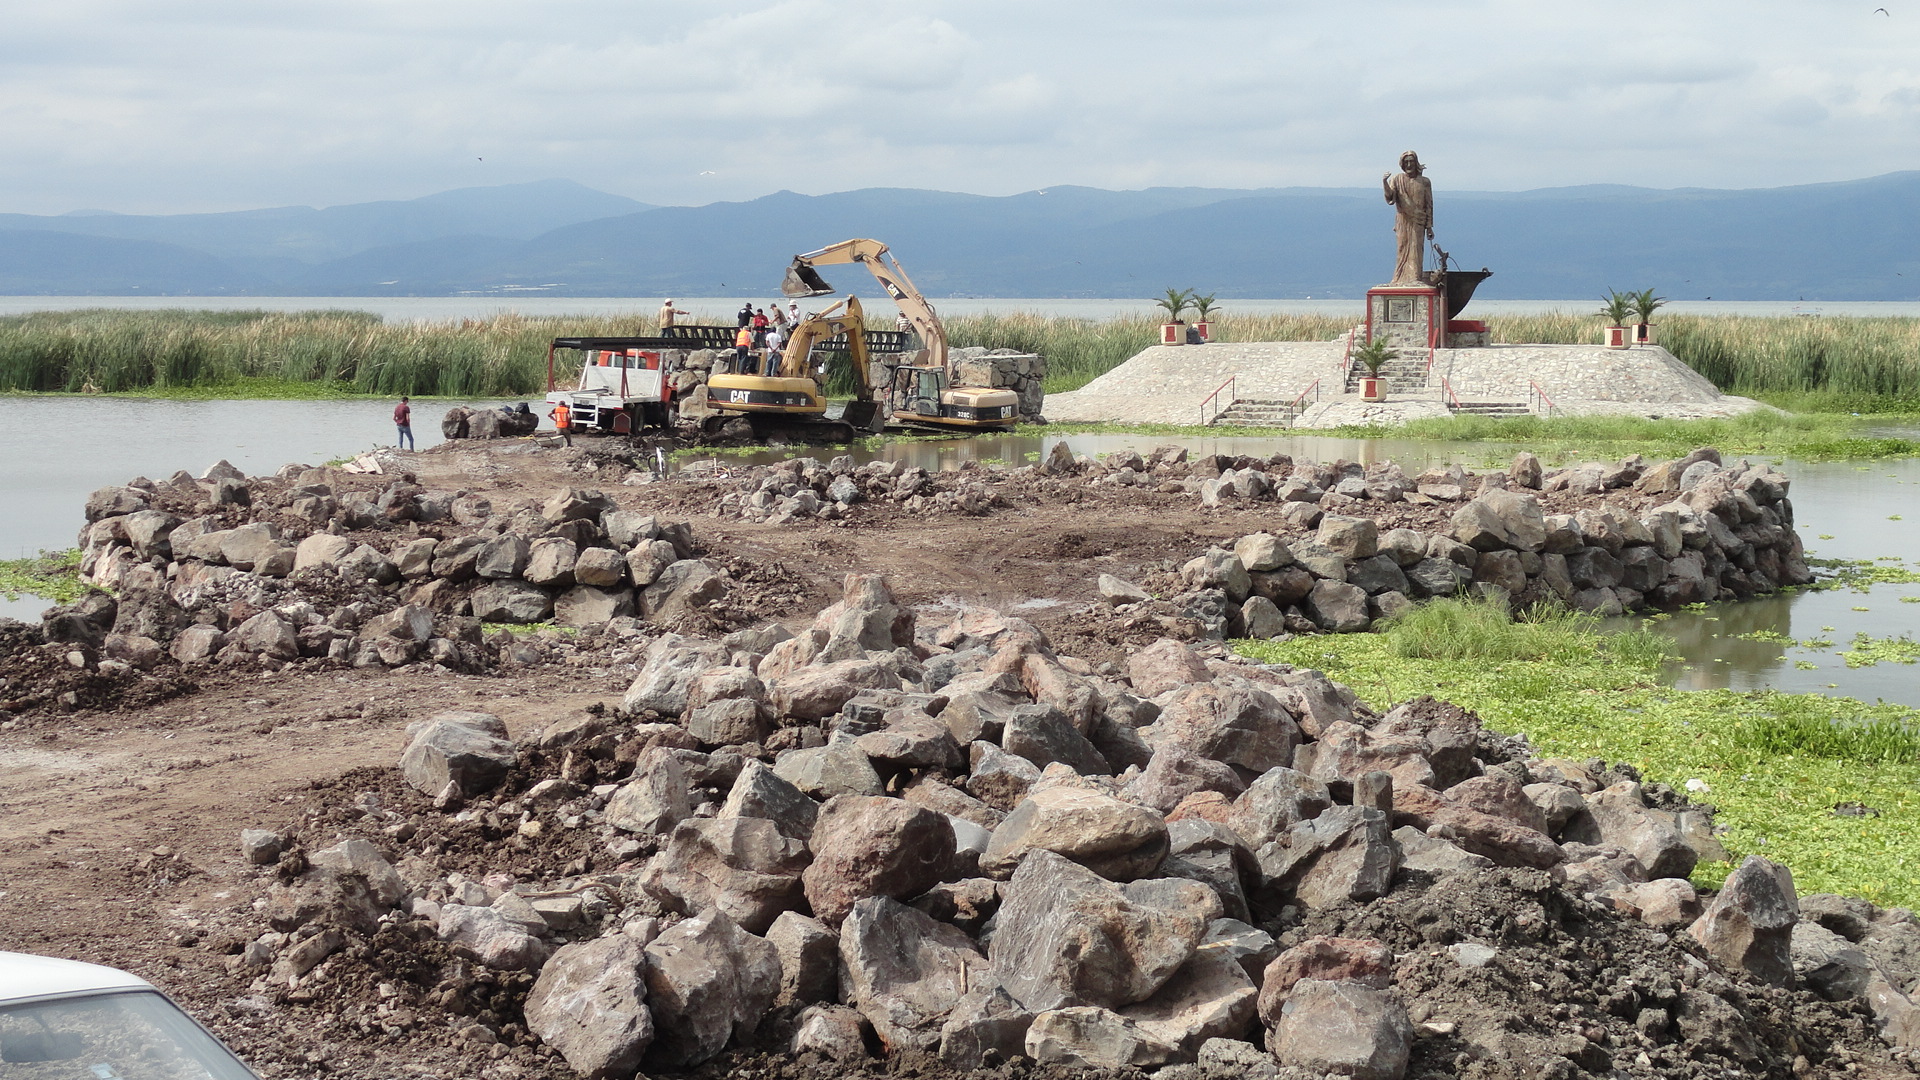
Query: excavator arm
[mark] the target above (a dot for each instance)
(803, 280)
(845, 318)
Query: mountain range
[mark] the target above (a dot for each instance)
(1852, 240)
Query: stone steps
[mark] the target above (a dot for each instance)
(1491, 408)
(1399, 374)
(1257, 412)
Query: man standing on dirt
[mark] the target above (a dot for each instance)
(563, 421)
(403, 419)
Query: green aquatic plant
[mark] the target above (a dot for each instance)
(50, 575)
(1777, 763)
(1869, 651)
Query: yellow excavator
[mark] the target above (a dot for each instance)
(791, 399)
(919, 390)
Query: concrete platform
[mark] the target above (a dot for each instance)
(1167, 384)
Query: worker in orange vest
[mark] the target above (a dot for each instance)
(742, 346)
(563, 421)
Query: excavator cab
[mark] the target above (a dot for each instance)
(803, 280)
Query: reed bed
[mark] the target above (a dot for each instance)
(1826, 364)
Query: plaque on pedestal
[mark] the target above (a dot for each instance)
(1408, 317)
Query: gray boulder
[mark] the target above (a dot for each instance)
(708, 982)
(758, 792)
(1749, 925)
(469, 750)
(987, 1028)
(1090, 1037)
(740, 865)
(1043, 735)
(1344, 1029)
(1064, 937)
(1337, 606)
(1210, 997)
(865, 845)
(654, 798)
(511, 602)
(665, 680)
(590, 1004)
(1274, 803)
(1347, 854)
(809, 959)
(1236, 725)
(1117, 840)
(904, 971)
(590, 605)
(822, 772)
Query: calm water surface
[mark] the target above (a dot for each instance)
(57, 450)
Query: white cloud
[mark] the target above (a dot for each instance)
(224, 104)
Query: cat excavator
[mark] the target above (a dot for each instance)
(790, 400)
(918, 389)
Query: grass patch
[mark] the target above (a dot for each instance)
(1804, 437)
(51, 575)
(529, 629)
(1776, 764)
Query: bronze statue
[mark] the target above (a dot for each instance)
(1411, 194)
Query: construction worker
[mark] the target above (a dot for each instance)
(742, 348)
(668, 313)
(563, 421)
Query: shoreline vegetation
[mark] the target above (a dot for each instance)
(1825, 785)
(1824, 364)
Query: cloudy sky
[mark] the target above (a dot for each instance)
(192, 105)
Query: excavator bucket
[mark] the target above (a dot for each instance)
(803, 280)
(863, 415)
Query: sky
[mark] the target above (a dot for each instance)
(171, 106)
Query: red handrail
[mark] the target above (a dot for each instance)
(1214, 397)
(1447, 388)
(1535, 388)
(1313, 389)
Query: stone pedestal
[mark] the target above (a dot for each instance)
(1410, 318)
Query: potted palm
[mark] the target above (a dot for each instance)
(1644, 305)
(1618, 308)
(1176, 302)
(1203, 309)
(1373, 356)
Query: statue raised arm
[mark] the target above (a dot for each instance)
(1411, 194)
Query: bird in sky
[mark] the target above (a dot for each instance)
(1883, 11)
(709, 172)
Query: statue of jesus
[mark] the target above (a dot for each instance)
(1411, 194)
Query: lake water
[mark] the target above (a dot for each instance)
(721, 309)
(59, 449)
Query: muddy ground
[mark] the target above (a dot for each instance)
(119, 826)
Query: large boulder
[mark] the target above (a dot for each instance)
(1043, 735)
(469, 750)
(590, 605)
(1618, 816)
(904, 971)
(1065, 937)
(809, 959)
(681, 589)
(590, 1004)
(1275, 802)
(866, 845)
(986, 1028)
(708, 981)
(822, 772)
(1210, 997)
(1344, 1029)
(654, 799)
(1347, 854)
(866, 618)
(268, 634)
(758, 792)
(1749, 925)
(1237, 725)
(511, 602)
(1090, 1037)
(740, 865)
(665, 680)
(1118, 840)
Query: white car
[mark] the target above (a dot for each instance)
(64, 1020)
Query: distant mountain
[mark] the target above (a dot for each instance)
(1857, 240)
(303, 234)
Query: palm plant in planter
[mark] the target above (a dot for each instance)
(1203, 308)
(1176, 302)
(1644, 305)
(1617, 310)
(1373, 356)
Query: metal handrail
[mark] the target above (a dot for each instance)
(1534, 389)
(1447, 389)
(1298, 401)
(1214, 397)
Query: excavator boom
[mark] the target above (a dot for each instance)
(803, 280)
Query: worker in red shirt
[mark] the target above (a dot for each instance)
(403, 419)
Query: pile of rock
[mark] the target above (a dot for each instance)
(950, 838)
(800, 489)
(1003, 369)
(1727, 535)
(226, 569)
(501, 422)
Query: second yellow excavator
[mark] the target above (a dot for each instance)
(919, 389)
